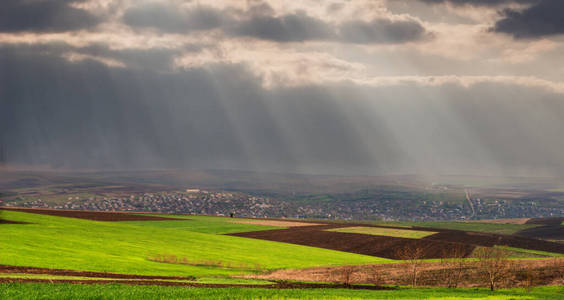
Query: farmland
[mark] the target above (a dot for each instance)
(124, 255)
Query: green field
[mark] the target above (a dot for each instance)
(403, 233)
(126, 247)
(530, 253)
(118, 291)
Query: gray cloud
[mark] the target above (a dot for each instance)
(540, 18)
(85, 114)
(544, 18)
(44, 16)
(288, 28)
(169, 18)
(381, 31)
(479, 2)
(301, 27)
(259, 23)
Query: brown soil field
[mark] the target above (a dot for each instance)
(91, 215)
(442, 244)
(504, 221)
(551, 232)
(275, 223)
(380, 246)
(490, 240)
(546, 272)
(546, 221)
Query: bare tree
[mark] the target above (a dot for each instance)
(492, 265)
(375, 277)
(346, 274)
(414, 255)
(453, 265)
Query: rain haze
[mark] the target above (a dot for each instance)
(368, 87)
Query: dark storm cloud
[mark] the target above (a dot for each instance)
(301, 27)
(85, 114)
(479, 2)
(544, 18)
(43, 16)
(540, 18)
(288, 28)
(260, 23)
(169, 18)
(381, 31)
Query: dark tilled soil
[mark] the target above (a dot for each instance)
(90, 215)
(380, 246)
(445, 243)
(490, 240)
(550, 232)
(546, 221)
(33, 270)
(11, 222)
(275, 285)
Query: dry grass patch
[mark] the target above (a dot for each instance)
(393, 232)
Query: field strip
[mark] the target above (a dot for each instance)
(275, 223)
(519, 221)
(401, 233)
(273, 285)
(91, 215)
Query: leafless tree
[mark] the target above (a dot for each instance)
(347, 273)
(492, 265)
(453, 266)
(375, 277)
(414, 255)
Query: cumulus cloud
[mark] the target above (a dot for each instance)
(44, 16)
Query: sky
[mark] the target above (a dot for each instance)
(325, 87)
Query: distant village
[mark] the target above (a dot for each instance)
(222, 203)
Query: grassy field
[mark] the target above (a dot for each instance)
(118, 291)
(530, 253)
(125, 247)
(403, 233)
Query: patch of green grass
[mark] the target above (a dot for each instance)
(123, 247)
(403, 233)
(119, 291)
(531, 253)
(466, 226)
(203, 224)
